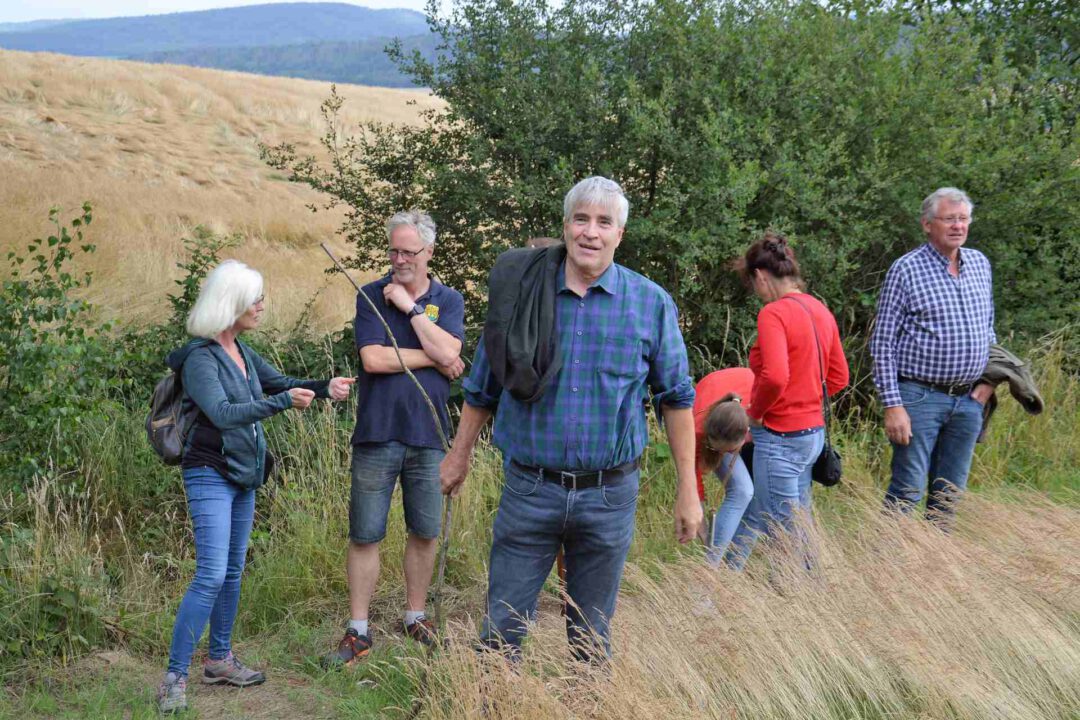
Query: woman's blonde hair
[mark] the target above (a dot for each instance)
(227, 293)
(725, 426)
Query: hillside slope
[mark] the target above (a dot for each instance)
(159, 149)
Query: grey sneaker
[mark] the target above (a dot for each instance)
(172, 694)
(230, 671)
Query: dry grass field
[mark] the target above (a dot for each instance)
(159, 149)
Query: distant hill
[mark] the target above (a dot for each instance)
(241, 27)
(12, 27)
(363, 62)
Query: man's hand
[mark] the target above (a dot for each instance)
(301, 397)
(398, 296)
(897, 425)
(981, 393)
(688, 516)
(340, 386)
(453, 370)
(452, 471)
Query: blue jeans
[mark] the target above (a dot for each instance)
(782, 467)
(594, 526)
(221, 516)
(738, 493)
(943, 434)
(375, 471)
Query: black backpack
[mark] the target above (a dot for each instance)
(167, 425)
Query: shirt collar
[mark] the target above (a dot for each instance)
(944, 260)
(432, 282)
(606, 282)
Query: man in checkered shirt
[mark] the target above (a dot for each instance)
(931, 341)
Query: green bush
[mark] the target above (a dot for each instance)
(827, 122)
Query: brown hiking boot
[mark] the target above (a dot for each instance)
(422, 631)
(353, 647)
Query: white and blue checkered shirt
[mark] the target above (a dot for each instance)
(930, 325)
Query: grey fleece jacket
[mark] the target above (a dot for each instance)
(235, 404)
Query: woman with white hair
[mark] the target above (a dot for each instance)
(225, 460)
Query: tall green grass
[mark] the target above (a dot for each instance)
(899, 621)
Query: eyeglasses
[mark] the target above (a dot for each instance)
(953, 219)
(406, 254)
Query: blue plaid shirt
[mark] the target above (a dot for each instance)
(930, 325)
(619, 341)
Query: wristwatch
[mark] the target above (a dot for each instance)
(417, 309)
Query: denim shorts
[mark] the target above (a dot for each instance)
(375, 471)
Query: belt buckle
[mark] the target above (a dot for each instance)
(956, 389)
(573, 479)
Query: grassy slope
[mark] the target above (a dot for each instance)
(159, 149)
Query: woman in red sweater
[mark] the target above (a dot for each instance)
(720, 425)
(787, 422)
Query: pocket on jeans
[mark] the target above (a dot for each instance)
(912, 394)
(521, 484)
(621, 494)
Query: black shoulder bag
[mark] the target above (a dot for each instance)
(827, 468)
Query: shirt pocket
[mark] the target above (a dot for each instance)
(620, 357)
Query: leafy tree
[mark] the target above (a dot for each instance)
(720, 119)
(51, 359)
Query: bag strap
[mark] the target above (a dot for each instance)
(826, 404)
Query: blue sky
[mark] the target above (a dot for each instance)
(23, 10)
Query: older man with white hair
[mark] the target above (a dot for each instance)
(931, 341)
(570, 418)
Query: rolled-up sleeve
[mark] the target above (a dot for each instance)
(482, 390)
(669, 367)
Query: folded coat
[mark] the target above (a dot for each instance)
(520, 338)
(1004, 367)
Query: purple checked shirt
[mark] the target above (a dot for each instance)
(930, 325)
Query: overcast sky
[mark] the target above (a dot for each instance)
(22, 10)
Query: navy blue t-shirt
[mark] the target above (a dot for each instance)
(389, 406)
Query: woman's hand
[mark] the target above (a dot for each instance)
(340, 387)
(301, 398)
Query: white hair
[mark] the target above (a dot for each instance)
(930, 204)
(229, 290)
(419, 221)
(599, 191)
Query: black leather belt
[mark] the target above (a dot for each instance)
(950, 389)
(577, 480)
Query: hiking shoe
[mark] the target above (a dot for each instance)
(422, 631)
(353, 647)
(230, 671)
(172, 694)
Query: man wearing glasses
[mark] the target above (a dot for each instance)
(931, 341)
(395, 434)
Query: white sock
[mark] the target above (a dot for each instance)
(411, 616)
(360, 626)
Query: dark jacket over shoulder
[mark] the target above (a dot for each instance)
(234, 404)
(519, 333)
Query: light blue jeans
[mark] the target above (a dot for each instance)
(782, 466)
(738, 492)
(943, 433)
(221, 516)
(595, 527)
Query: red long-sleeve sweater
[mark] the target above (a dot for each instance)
(787, 379)
(712, 387)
